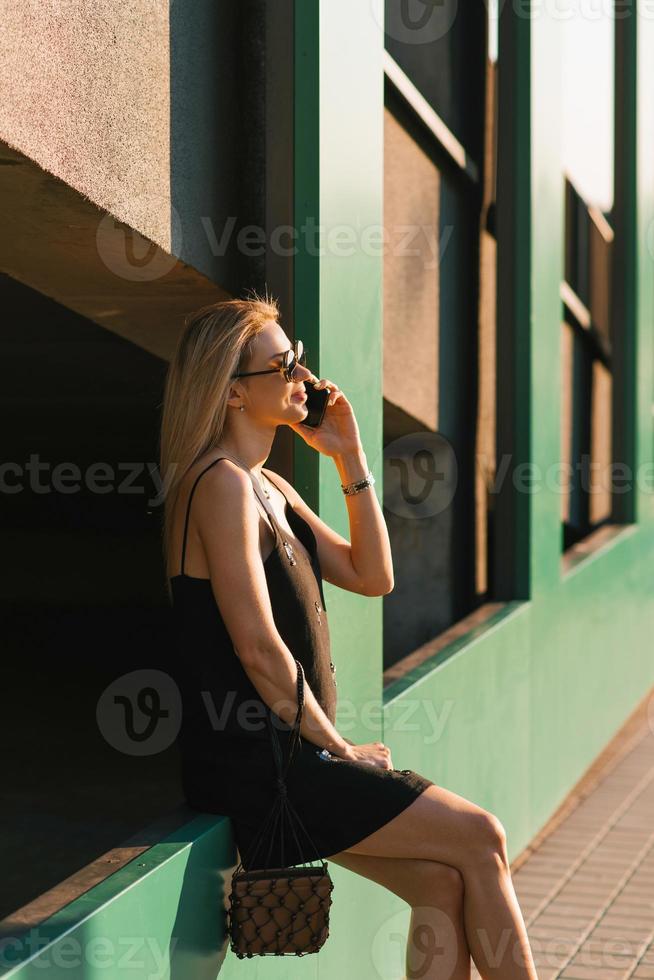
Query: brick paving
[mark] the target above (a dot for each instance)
(586, 883)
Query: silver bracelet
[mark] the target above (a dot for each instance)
(358, 485)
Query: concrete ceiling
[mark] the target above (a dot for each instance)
(60, 243)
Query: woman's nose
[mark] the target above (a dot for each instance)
(307, 374)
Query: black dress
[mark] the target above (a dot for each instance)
(225, 743)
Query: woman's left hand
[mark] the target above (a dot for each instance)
(338, 433)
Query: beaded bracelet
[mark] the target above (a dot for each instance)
(358, 485)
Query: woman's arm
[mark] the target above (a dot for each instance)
(227, 522)
(276, 682)
(369, 542)
(364, 564)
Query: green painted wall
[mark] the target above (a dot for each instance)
(338, 294)
(511, 715)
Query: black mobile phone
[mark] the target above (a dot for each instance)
(316, 404)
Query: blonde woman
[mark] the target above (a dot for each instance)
(245, 558)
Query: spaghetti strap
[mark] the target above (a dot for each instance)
(188, 506)
(271, 516)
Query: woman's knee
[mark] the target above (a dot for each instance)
(488, 835)
(435, 882)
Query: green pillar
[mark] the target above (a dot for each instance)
(338, 174)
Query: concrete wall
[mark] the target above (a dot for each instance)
(86, 94)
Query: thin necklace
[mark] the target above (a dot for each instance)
(263, 487)
(261, 484)
(288, 547)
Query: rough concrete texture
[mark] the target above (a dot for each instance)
(85, 90)
(59, 243)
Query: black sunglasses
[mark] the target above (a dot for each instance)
(292, 357)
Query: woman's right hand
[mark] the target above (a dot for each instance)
(373, 753)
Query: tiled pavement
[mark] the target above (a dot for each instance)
(586, 883)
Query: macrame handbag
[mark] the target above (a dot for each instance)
(285, 910)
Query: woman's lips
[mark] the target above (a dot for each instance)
(299, 396)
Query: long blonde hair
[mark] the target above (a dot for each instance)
(216, 341)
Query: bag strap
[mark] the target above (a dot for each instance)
(282, 807)
(283, 810)
(295, 731)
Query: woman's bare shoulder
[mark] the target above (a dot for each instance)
(205, 463)
(221, 485)
(222, 493)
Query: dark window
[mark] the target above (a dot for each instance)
(587, 333)
(586, 368)
(439, 325)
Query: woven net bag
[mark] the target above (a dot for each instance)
(285, 910)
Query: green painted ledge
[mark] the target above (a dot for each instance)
(158, 916)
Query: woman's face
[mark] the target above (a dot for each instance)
(270, 397)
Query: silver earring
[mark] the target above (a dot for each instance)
(242, 408)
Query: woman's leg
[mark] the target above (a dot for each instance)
(443, 826)
(437, 948)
